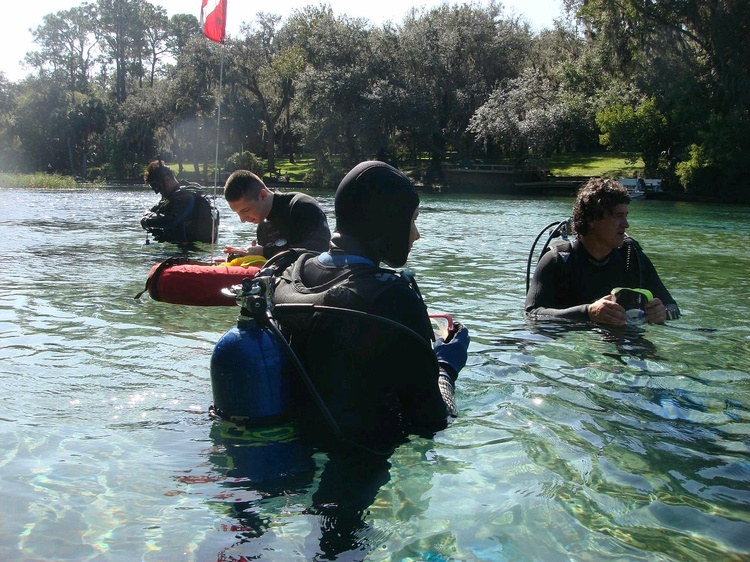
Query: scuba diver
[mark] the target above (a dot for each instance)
(603, 276)
(184, 215)
(367, 345)
(360, 339)
(285, 220)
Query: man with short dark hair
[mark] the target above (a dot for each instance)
(576, 281)
(285, 220)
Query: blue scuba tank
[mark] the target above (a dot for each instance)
(248, 375)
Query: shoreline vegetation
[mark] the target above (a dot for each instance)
(294, 173)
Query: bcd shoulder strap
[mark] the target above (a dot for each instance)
(565, 262)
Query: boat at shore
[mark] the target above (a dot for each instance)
(641, 188)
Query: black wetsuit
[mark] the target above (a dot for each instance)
(563, 290)
(373, 402)
(295, 221)
(168, 220)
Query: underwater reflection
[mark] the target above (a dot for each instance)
(269, 474)
(629, 340)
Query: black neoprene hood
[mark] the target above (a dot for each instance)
(375, 204)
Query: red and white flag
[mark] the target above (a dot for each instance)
(214, 19)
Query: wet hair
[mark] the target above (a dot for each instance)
(157, 171)
(243, 184)
(375, 204)
(597, 197)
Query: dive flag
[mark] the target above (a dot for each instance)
(214, 19)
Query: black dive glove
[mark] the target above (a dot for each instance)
(451, 353)
(673, 312)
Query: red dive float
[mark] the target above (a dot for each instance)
(180, 280)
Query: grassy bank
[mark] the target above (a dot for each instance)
(296, 171)
(38, 180)
(609, 164)
(581, 164)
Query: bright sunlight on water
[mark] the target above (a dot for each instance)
(571, 444)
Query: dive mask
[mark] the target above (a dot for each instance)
(634, 302)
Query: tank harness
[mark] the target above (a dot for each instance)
(565, 259)
(354, 288)
(565, 256)
(256, 299)
(201, 225)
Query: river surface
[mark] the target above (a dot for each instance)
(572, 443)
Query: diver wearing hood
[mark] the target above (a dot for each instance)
(377, 371)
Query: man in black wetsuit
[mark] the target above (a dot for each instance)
(378, 373)
(285, 220)
(180, 217)
(574, 282)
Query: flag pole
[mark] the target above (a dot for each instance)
(218, 119)
(214, 25)
(216, 156)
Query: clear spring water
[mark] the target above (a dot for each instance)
(571, 444)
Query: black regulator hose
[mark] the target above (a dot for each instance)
(560, 225)
(269, 322)
(322, 406)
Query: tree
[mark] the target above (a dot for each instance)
(40, 125)
(182, 28)
(704, 49)
(267, 65)
(8, 139)
(129, 138)
(640, 128)
(122, 38)
(68, 44)
(333, 88)
(531, 116)
(188, 123)
(549, 107)
(157, 32)
(86, 120)
(447, 63)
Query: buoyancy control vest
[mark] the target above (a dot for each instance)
(203, 224)
(358, 362)
(565, 258)
(356, 286)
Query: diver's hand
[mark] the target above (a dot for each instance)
(656, 312)
(607, 311)
(452, 352)
(249, 251)
(233, 250)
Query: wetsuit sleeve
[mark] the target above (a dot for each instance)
(543, 298)
(308, 226)
(147, 216)
(171, 213)
(653, 282)
(417, 385)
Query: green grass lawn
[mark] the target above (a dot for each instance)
(580, 164)
(296, 171)
(610, 164)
